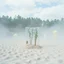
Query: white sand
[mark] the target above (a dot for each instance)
(17, 55)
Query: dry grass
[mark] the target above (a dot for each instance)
(28, 46)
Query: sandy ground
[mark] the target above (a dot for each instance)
(14, 52)
(18, 55)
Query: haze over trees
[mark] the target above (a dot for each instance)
(19, 23)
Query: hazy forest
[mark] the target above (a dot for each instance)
(19, 23)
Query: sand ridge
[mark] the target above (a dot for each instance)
(45, 55)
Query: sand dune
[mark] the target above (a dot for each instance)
(45, 55)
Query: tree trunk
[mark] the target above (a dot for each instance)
(35, 41)
(30, 42)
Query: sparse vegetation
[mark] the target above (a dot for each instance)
(36, 35)
(30, 32)
(33, 34)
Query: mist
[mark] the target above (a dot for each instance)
(52, 36)
(13, 31)
(46, 36)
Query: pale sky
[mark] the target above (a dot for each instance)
(43, 9)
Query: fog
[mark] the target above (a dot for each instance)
(46, 36)
(52, 36)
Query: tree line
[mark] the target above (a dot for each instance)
(19, 23)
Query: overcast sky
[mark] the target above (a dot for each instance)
(44, 9)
